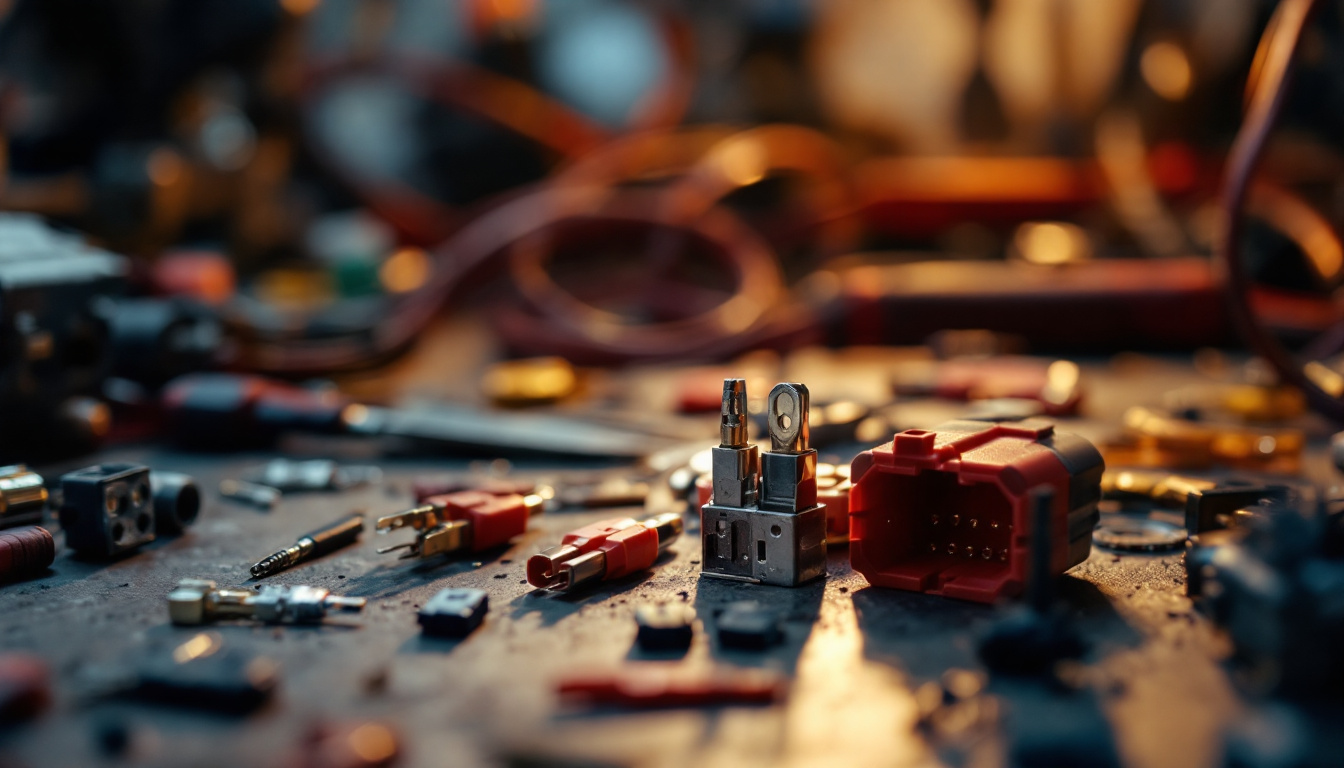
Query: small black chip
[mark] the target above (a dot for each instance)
(665, 626)
(749, 626)
(454, 612)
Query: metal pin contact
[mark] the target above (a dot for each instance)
(733, 414)
(787, 409)
(276, 562)
(736, 463)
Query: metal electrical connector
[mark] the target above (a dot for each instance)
(23, 494)
(328, 538)
(198, 601)
(782, 539)
(736, 462)
(467, 521)
(606, 550)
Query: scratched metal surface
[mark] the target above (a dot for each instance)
(854, 653)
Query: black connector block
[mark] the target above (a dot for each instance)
(107, 509)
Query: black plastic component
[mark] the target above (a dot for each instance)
(53, 348)
(106, 509)
(227, 680)
(665, 626)
(1200, 551)
(177, 501)
(335, 535)
(218, 411)
(1279, 575)
(1213, 508)
(454, 612)
(1031, 640)
(749, 626)
(154, 340)
(1027, 643)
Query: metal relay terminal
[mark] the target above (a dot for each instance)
(736, 462)
(774, 534)
(198, 601)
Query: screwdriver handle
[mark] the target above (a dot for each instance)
(339, 534)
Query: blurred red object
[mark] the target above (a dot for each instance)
(25, 687)
(668, 685)
(204, 275)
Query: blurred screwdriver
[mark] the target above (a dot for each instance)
(221, 411)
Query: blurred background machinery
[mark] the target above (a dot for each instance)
(619, 182)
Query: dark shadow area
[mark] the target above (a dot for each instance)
(798, 607)
(1094, 616)
(713, 714)
(427, 644)
(46, 573)
(554, 606)
(924, 635)
(637, 653)
(1049, 726)
(398, 576)
(921, 635)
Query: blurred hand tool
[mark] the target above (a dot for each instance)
(218, 411)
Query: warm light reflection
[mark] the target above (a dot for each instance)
(743, 162)
(405, 270)
(1166, 70)
(1052, 243)
(373, 742)
(197, 647)
(299, 7)
(1325, 377)
(164, 167)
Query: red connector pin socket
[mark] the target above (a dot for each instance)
(948, 512)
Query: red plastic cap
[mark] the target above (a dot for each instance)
(495, 520)
(946, 511)
(627, 545)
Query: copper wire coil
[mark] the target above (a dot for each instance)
(25, 552)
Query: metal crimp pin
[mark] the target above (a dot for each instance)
(435, 534)
(736, 463)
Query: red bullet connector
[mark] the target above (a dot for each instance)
(606, 550)
(468, 521)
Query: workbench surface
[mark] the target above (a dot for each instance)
(855, 654)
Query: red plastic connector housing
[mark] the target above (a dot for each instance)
(495, 520)
(947, 511)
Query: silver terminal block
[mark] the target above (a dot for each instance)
(775, 534)
(199, 601)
